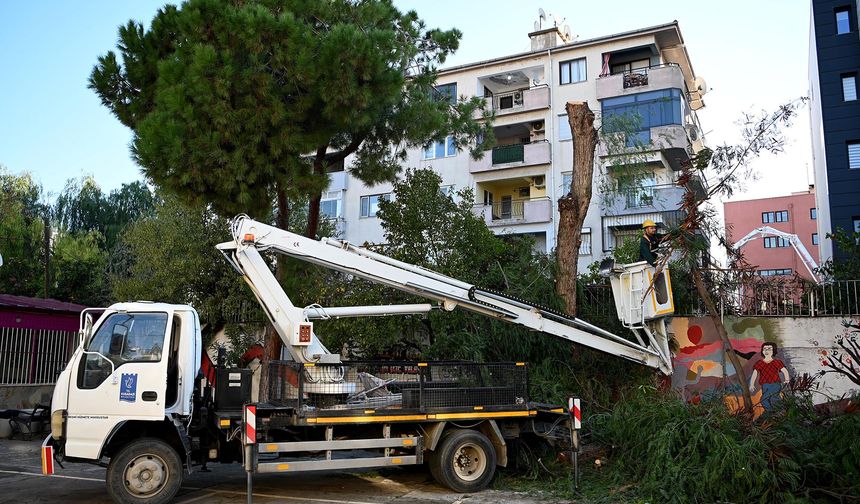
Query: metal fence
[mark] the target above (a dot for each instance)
(33, 357)
(780, 297)
(398, 385)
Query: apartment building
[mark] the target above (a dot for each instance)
(646, 73)
(834, 62)
(773, 255)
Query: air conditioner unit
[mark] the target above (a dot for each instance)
(539, 181)
(693, 132)
(518, 98)
(537, 126)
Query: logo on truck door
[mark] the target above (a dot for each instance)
(128, 387)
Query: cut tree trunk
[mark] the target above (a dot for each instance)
(573, 206)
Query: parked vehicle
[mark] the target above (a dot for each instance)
(140, 396)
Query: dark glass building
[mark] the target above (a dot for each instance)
(834, 63)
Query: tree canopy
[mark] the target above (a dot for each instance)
(239, 104)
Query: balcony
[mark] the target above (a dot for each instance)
(514, 212)
(640, 80)
(521, 100)
(656, 198)
(513, 156)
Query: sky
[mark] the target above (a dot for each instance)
(753, 55)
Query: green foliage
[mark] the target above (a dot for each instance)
(226, 98)
(80, 265)
(83, 208)
(22, 237)
(681, 452)
(846, 266)
(171, 257)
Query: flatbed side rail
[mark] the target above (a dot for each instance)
(397, 386)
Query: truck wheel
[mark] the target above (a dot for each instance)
(464, 461)
(145, 471)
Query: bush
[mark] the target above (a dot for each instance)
(697, 453)
(682, 452)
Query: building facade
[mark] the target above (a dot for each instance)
(771, 255)
(834, 62)
(645, 73)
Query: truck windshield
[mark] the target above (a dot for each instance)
(123, 337)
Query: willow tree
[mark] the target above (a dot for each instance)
(239, 104)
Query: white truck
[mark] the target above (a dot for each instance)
(138, 394)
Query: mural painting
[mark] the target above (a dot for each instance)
(772, 351)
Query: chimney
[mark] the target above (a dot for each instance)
(547, 38)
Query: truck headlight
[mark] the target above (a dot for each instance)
(58, 420)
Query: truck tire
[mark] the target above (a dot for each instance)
(146, 471)
(464, 461)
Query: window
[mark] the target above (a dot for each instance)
(843, 20)
(585, 244)
(781, 216)
(774, 272)
(767, 217)
(122, 338)
(370, 204)
(331, 205)
(447, 190)
(447, 92)
(566, 181)
(813, 213)
(630, 67)
(564, 128)
(643, 111)
(849, 87)
(853, 155)
(775, 242)
(445, 148)
(571, 71)
(815, 238)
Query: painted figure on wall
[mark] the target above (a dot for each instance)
(771, 374)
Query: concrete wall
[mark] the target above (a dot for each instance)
(805, 345)
(24, 397)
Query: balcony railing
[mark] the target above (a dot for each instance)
(508, 154)
(521, 100)
(515, 211)
(647, 198)
(516, 155)
(663, 76)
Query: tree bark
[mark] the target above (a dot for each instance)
(314, 203)
(724, 337)
(272, 341)
(573, 206)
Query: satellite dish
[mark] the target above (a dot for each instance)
(537, 25)
(541, 14)
(567, 32)
(701, 85)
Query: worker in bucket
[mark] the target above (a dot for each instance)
(649, 242)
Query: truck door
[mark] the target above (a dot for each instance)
(121, 375)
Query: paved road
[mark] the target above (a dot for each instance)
(21, 481)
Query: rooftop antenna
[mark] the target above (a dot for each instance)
(541, 18)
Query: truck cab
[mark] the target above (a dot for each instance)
(115, 384)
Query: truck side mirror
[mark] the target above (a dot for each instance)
(117, 339)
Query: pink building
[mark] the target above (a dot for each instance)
(795, 214)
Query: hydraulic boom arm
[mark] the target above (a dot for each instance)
(292, 323)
